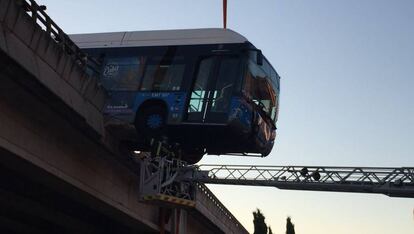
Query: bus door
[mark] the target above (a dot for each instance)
(212, 89)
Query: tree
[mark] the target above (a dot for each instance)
(260, 226)
(290, 227)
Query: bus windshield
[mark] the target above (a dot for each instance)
(261, 85)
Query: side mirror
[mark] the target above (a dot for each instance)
(259, 58)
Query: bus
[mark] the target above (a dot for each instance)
(209, 90)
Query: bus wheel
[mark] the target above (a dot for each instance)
(192, 157)
(151, 121)
(267, 148)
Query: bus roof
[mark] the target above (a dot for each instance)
(158, 38)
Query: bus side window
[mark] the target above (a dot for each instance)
(163, 76)
(198, 95)
(223, 89)
(122, 73)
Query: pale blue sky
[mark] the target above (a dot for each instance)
(347, 96)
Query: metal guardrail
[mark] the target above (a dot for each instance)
(207, 199)
(397, 182)
(39, 17)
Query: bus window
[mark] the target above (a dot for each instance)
(224, 85)
(275, 82)
(122, 73)
(258, 88)
(164, 73)
(163, 76)
(200, 86)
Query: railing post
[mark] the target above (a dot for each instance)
(39, 17)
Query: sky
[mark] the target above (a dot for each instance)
(347, 95)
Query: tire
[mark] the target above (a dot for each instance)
(192, 157)
(151, 121)
(267, 149)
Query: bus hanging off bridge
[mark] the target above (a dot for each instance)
(210, 90)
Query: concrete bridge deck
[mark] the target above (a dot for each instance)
(60, 171)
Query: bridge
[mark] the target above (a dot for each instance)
(61, 171)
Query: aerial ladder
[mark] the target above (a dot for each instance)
(393, 182)
(165, 177)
